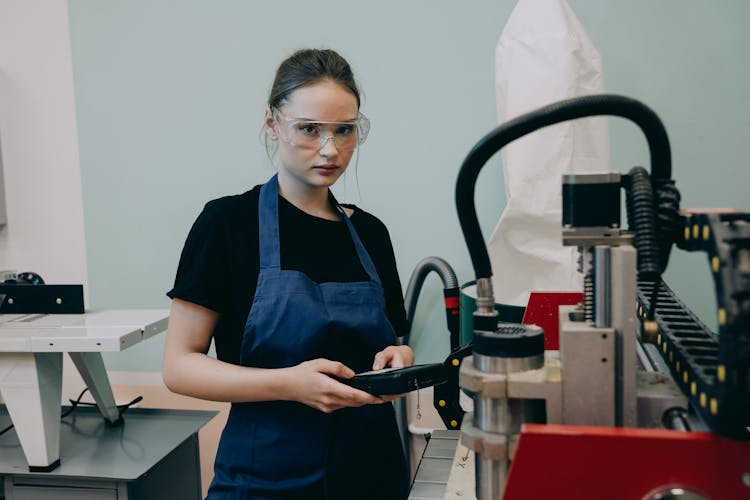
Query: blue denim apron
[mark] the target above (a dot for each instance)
(284, 449)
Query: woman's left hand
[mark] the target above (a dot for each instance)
(394, 356)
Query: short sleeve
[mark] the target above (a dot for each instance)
(202, 269)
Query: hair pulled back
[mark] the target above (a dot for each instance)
(306, 67)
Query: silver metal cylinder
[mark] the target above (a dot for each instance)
(490, 476)
(485, 298)
(499, 416)
(676, 419)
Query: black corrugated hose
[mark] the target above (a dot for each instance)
(668, 222)
(579, 107)
(450, 288)
(664, 202)
(653, 217)
(641, 210)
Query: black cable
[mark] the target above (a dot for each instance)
(122, 407)
(668, 222)
(77, 402)
(653, 217)
(6, 429)
(580, 107)
(652, 302)
(74, 404)
(641, 214)
(73, 407)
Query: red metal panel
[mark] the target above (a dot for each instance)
(542, 311)
(566, 461)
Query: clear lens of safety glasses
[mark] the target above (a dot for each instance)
(313, 134)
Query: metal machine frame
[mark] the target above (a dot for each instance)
(607, 378)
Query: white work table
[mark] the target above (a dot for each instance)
(31, 347)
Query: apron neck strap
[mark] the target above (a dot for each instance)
(268, 230)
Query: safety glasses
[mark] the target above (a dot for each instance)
(305, 133)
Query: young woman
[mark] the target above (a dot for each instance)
(295, 289)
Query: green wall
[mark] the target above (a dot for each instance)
(170, 98)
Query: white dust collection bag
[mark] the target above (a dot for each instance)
(543, 56)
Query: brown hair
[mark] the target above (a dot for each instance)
(309, 66)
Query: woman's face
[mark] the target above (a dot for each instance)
(309, 166)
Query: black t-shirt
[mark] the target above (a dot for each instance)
(220, 262)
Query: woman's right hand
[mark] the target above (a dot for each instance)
(311, 383)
